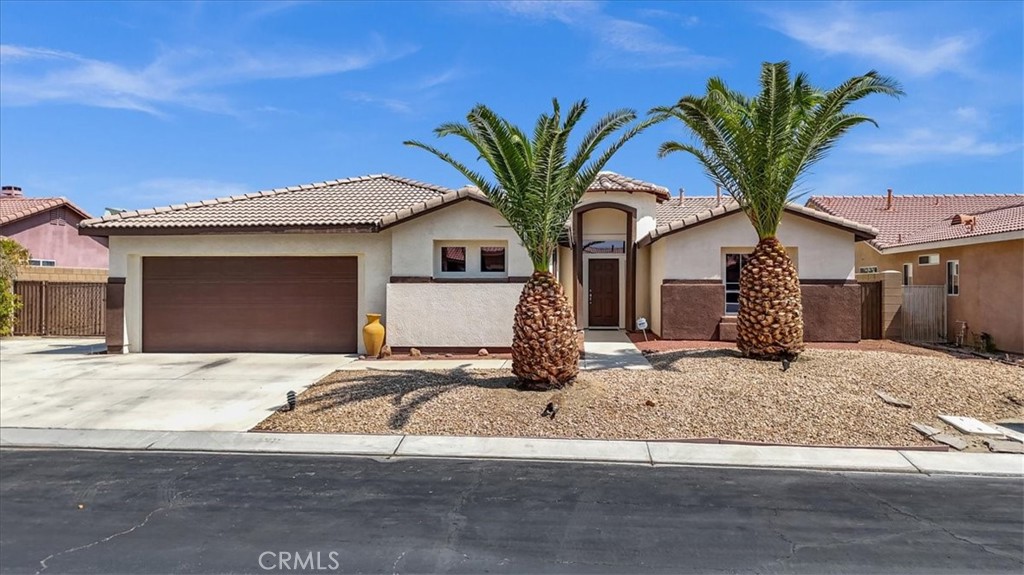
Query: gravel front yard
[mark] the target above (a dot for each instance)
(827, 397)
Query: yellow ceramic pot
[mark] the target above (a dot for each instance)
(373, 334)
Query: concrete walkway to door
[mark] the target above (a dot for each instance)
(611, 349)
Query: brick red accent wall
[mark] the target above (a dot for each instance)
(831, 311)
(692, 310)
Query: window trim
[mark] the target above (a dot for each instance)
(933, 260)
(908, 274)
(480, 252)
(955, 284)
(474, 263)
(42, 263)
(725, 282)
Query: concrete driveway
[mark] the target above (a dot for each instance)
(70, 383)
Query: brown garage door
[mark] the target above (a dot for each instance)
(269, 304)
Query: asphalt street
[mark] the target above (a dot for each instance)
(118, 512)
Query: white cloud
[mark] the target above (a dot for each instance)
(186, 78)
(393, 104)
(926, 143)
(879, 37)
(962, 131)
(618, 42)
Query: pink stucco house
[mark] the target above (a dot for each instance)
(48, 228)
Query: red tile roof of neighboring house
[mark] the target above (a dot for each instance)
(912, 220)
(13, 209)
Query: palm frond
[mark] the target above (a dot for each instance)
(536, 183)
(759, 148)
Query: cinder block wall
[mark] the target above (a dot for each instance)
(62, 275)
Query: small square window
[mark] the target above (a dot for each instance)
(492, 259)
(453, 259)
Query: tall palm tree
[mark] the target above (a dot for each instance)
(758, 149)
(536, 186)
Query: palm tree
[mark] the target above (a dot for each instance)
(758, 149)
(536, 186)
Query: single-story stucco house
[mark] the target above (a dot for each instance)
(295, 269)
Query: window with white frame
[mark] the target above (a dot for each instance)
(733, 265)
(908, 274)
(928, 260)
(469, 259)
(42, 263)
(953, 277)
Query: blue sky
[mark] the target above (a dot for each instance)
(144, 104)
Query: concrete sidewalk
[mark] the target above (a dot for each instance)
(611, 349)
(603, 451)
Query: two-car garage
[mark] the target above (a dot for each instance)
(250, 304)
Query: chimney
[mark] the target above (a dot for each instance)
(718, 194)
(10, 192)
(888, 199)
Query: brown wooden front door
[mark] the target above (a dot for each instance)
(603, 310)
(254, 304)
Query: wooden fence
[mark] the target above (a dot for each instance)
(871, 310)
(49, 308)
(924, 313)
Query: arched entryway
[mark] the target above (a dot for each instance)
(604, 265)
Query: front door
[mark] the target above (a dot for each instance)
(603, 284)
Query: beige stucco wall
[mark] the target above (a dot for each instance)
(657, 257)
(126, 253)
(412, 242)
(644, 203)
(565, 272)
(819, 252)
(991, 286)
(822, 251)
(643, 284)
(451, 314)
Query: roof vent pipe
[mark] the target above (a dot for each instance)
(682, 192)
(718, 194)
(888, 199)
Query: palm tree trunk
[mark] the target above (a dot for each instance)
(770, 322)
(545, 349)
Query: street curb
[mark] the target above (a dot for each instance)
(654, 453)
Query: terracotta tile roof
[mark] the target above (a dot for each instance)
(702, 214)
(612, 182)
(338, 203)
(677, 208)
(17, 208)
(431, 204)
(921, 219)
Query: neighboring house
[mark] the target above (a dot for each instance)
(295, 269)
(48, 228)
(973, 245)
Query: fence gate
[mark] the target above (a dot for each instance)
(871, 310)
(924, 313)
(50, 308)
